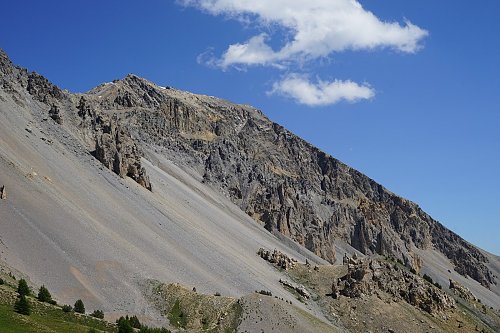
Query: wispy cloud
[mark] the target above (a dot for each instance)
(316, 29)
(303, 91)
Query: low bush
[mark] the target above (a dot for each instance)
(97, 314)
(67, 308)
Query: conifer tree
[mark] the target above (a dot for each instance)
(22, 288)
(22, 306)
(79, 307)
(44, 295)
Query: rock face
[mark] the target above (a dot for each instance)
(283, 182)
(114, 146)
(365, 277)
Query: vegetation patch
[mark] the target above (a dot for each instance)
(177, 317)
(41, 317)
(196, 312)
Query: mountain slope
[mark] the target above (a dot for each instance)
(280, 180)
(101, 235)
(71, 224)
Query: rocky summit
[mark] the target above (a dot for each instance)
(234, 168)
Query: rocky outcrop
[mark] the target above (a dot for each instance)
(55, 114)
(118, 152)
(277, 258)
(3, 193)
(114, 146)
(41, 89)
(365, 277)
(299, 289)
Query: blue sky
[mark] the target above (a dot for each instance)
(422, 113)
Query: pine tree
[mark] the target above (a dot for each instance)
(22, 288)
(134, 322)
(22, 306)
(79, 307)
(124, 326)
(44, 295)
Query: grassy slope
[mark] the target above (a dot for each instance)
(44, 317)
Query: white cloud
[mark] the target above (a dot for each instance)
(318, 29)
(300, 89)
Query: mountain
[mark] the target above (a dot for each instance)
(132, 182)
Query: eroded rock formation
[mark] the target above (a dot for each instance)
(277, 258)
(365, 277)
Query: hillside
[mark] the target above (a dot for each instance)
(133, 182)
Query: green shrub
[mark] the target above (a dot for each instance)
(22, 306)
(438, 285)
(134, 322)
(124, 326)
(97, 314)
(22, 288)
(176, 316)
(1, 281)
(44, 295)
(79, 307)
(67, 308)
